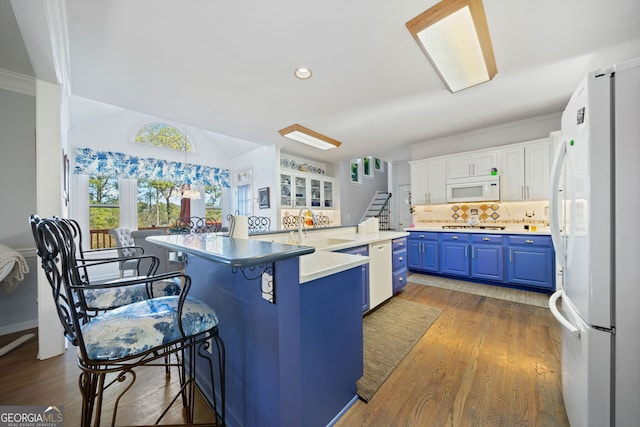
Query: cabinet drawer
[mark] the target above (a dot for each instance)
(454, 237)
(487, 238)
(423, 235)
(531, 240)
(399, 281)
(399, 259)
(399, 244)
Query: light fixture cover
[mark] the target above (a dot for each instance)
(303, 73)
(307, 136)
(454, 35)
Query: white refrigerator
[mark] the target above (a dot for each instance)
(594, 215)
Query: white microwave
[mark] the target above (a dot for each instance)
(476, 189)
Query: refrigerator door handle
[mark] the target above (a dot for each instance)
(554, 209)
(559, 317)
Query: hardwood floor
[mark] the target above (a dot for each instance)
(28, 381)
(484, 362)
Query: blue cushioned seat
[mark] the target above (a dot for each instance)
(132, 329)
(122, 325)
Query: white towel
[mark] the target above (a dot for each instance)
(12, 268)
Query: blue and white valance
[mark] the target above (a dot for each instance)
(110, 163)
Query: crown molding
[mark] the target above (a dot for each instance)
(17, 82)
(58, 35)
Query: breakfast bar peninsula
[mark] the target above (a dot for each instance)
(291, 322)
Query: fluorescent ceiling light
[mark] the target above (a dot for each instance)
(309, 137)
(455, 37)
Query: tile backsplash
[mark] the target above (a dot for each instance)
(486, 212)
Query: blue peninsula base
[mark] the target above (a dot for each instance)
(292, 363)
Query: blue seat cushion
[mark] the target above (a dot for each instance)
(136, 328)
(108, 298)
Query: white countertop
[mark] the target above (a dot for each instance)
(333, 239)
(515, 229)
(324, 263)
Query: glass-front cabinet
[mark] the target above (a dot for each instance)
(316, 193)
(328, 194)
(299, 190)
(286, 190)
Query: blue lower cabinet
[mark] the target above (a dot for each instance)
(454, 254)
(364, 270)
(423, 252)
(531, 261)
(399, 265)
(487, 257)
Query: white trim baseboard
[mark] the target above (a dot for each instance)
(17, 327)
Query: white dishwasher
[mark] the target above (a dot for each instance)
(380, 273)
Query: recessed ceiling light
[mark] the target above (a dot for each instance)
(302, 73)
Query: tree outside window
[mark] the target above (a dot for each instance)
(161, 134)
(158, 205)
(104, 209)
(213, 200)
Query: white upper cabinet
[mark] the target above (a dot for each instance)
(525, 172)
(472, 164)
(428, 182)
(298, 190)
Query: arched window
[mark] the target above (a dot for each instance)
(161, 134)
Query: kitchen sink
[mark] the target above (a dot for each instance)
(328, 241)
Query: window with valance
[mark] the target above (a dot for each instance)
(110, 163)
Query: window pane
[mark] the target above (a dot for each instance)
(104, 210)
(158, 204)
(244, 200)
(213, 202)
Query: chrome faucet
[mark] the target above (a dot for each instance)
(302, 229)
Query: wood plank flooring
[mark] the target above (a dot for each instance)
(484, 362)
(28, 381)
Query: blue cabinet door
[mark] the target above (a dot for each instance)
(364, 270)
(454, 254)
(430, 256)
(414, 253)
(531, 261)
(455, 258)
(487, 257)
(487, 262)
(531, 267)
(423, 252)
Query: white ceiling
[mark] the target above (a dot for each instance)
(227, 66)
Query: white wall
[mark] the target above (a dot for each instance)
(110, 128)
(524, 130)
(51, 140)
(355, 198)
(262, 162)
(18, 310)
